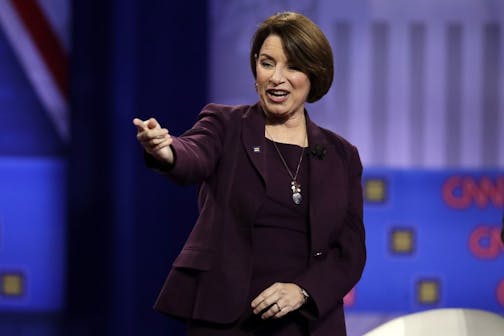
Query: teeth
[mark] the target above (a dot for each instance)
(277, 93)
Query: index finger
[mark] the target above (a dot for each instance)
(140, 125)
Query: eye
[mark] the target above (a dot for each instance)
(293, 67)
(266, 64)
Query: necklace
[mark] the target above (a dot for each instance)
(294, 185)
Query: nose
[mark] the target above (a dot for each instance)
(277, 77)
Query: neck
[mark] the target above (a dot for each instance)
(291, 131)
(294, 120)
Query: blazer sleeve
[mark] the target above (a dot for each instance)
(198, 150)
(328, 280)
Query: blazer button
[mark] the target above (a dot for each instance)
(318, 254)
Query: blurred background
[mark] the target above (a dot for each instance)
(88, 234)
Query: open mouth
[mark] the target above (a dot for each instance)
(277, 93)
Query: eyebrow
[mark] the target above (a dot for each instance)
(266, 55)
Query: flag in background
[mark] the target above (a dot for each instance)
(34, 133)
(38, 31)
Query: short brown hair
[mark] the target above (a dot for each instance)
(304, 44)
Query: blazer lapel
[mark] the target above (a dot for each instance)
(323, 172)
(253, 138)
(321, 169)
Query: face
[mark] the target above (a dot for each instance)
(282, 88)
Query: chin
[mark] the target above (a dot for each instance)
(277, 116)
(276, 109)
(278, 112)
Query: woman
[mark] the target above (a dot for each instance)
(280, 238)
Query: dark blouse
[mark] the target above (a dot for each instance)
(280, 248)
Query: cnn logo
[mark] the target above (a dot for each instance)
(500, 293)
(460, 192)
(485, 242)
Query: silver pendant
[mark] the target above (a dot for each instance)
(297, 198)
(296, 192)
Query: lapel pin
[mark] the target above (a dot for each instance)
(256, 149)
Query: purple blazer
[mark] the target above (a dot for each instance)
(223, 152)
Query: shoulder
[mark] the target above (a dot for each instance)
(225, 111)
(336, 138)
(219, 115)
(229, 115)
(337, 142)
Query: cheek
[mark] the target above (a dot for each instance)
(307, 85)
(260, 77)
(302, 83)
(308, 88)
(300, 79)
(259, 73)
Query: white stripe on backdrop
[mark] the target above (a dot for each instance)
(34, 65)
(424, 86)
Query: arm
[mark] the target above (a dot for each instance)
(191, 157)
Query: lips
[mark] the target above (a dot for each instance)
(277, 95)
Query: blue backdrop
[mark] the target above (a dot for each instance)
(88, 234)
